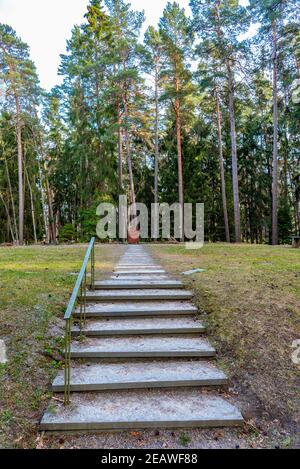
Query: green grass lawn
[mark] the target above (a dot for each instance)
(249, 297)
(35, 285)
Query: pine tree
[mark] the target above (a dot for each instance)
(211, 81)
(270, 14)
(127, 110)
(218, 23)
(153, 64)
(19, 74)
(125, 58)
(176, 37)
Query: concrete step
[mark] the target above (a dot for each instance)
(142, 346)
(116, 284)
(138, 295)
(139, 326)
(136, 259)
(134, 271)
(154, 408)
(138, 265)
(137, 375)
(140, 277)
(138, 309)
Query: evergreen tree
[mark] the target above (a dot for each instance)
(175, 33)
(153, 64)
(219, 23)
(22, 93)
(271, 14)
(227, 134)
(19, 75)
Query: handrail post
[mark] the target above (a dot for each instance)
(67, 362)
(84, 299)
(81, 308)
(93, 268)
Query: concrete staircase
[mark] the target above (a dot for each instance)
(144, 361)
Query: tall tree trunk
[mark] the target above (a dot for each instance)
(19, 145)
(43, 200)
(222, 172)
(295, 201)
(52, 225)
(156, 168)
(286, 146)
(275, 140)
(120, 148)
(235, 180)
(130, 171)
(8, 218)
(32, 205)
(286, 166)
(179, 158)
(120, 142)
(128, 151)
(16, 236)
(297, 215)
(50, 229)
(20, 170)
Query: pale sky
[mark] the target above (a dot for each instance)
(45, 25)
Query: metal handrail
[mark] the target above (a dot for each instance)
(79, 289)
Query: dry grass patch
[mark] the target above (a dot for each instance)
(249, 297)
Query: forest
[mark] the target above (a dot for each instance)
(196, 109)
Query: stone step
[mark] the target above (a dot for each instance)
(138, 309)
(135, 258)
(140, 277)
(136, 248)
(116, 284)
(142, 346)
(139, 272)
(138, 265)
(139, 326)
(141, 409)
(138, 295)
(137, 375)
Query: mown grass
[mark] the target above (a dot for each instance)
(35, 285)
(249, 297)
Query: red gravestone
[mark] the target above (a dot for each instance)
(133, 236)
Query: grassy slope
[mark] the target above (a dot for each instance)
(250, 300)
(35, 284)
(249, 297)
